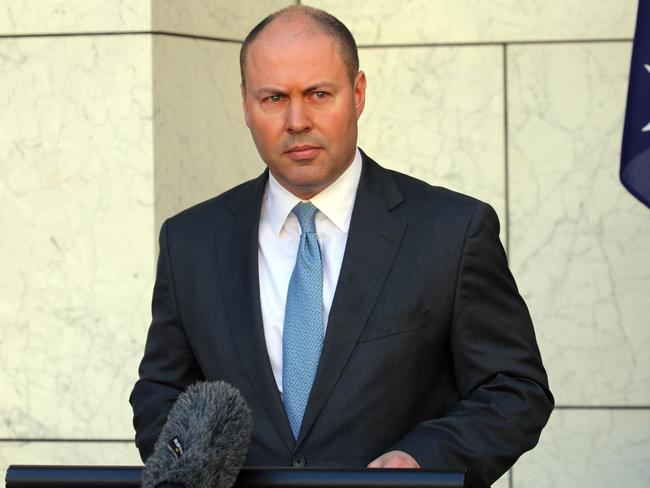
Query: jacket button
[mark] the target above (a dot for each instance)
(298, 461)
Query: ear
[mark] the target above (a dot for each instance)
(359, 90)
(243, 101)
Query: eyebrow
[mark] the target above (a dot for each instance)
(274, 90)
(319, 85)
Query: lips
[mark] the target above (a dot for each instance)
(303, 152)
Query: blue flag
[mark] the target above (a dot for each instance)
(635, 153)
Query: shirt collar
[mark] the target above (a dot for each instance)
(335, 202)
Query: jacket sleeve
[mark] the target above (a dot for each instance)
(504, 398)
(168, 366)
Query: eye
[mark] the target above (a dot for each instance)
(274, 98)
(319, 96)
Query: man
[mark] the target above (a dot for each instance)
(422, 353)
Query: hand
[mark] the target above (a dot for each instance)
(394, 459)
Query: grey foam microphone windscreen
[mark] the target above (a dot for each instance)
(204, 442)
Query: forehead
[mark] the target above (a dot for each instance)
(289, 52)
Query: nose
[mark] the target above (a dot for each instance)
(298, 117)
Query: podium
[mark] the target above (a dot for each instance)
(21, 476)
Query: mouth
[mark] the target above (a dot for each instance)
(303, 152)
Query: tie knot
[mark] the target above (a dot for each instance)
(306, 213)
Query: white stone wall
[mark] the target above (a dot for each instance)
(76, 220)
(109, 124)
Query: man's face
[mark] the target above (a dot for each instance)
(301, 106)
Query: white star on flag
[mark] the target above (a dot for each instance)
(647, 127)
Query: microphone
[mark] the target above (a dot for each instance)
(204, 441)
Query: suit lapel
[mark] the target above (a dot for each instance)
(373, 240)
(238, 259)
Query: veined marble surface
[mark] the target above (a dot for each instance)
(589, 449)
(70, 453)
(228, 19)
(64, 16)
(76, 219)
(459, 21)
(437, 114)
(202, 144)
(579, 240)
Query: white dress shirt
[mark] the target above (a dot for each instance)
(279, 235)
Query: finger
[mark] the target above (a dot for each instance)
(377, 463)
(392, 462)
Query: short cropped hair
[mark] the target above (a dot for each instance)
(325, 22)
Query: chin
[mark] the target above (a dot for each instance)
(304, 188)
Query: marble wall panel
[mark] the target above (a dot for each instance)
(579, 240)
(202, 144)
(461, 21)
(66, 16)
(76, 220)
(589, 448)
(229, 19)
(70, 453)
(437, 114)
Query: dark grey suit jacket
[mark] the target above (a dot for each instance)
(429, 348)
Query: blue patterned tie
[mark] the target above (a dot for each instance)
(302, 339)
